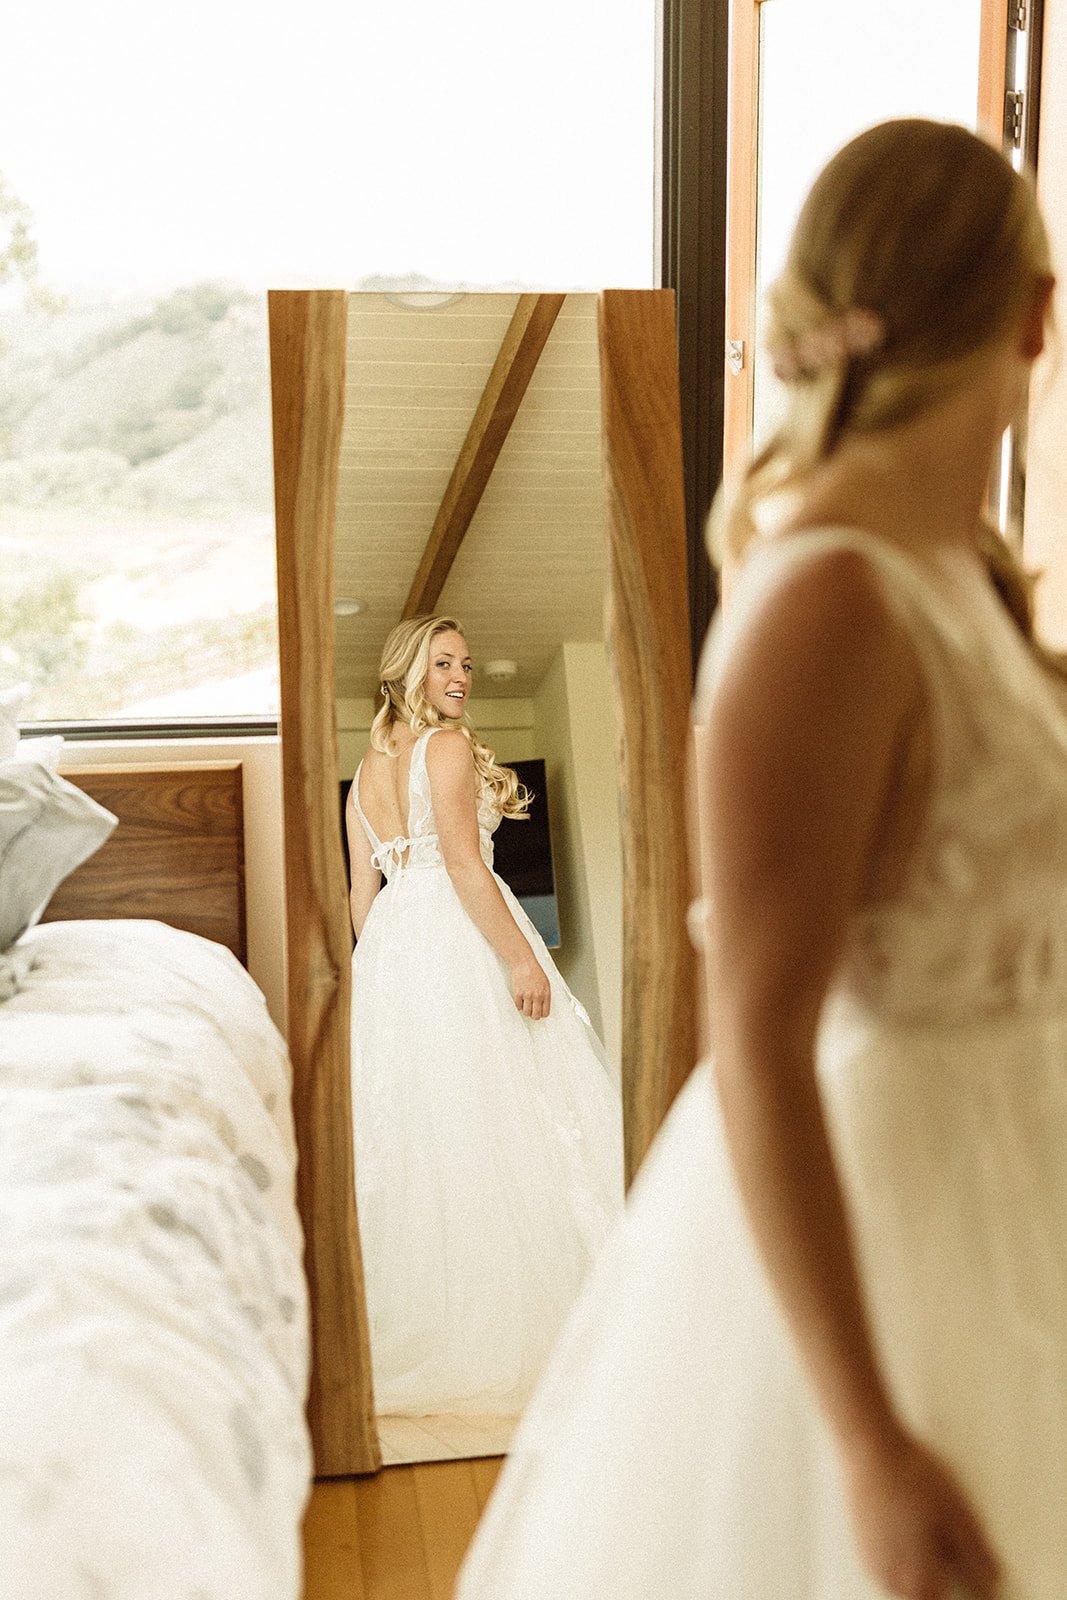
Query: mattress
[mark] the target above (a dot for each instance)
(153, 1314)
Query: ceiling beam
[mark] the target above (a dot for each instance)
(513, 368)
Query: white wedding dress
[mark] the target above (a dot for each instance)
(488, 1146)
(673, 1451)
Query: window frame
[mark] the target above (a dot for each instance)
(742, 178)
(693, 205)
(194, 729)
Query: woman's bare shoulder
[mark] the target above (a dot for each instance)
(817, 621)
(449, 752)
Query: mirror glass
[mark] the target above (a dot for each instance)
(528, 583)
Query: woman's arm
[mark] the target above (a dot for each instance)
(453, 787)
(366, 879)
(804, 730)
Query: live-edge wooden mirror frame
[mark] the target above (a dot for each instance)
(649, 648)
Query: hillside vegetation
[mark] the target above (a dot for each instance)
(160, 408)
(136, 549)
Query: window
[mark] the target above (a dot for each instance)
(816, 73)
(827, 70)
(174, 163)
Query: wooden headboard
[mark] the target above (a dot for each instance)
(177, 854)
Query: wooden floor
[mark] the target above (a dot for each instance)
(398, 1536)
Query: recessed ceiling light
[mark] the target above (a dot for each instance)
(348, 606)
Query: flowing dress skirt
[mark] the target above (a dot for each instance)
(673, 1451)
(488, 1155)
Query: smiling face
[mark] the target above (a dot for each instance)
(448, 677)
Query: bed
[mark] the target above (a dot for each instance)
(153, 1309)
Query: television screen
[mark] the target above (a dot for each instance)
(522, 853)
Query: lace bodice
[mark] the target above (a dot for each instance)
(978, 929)
(420, 847)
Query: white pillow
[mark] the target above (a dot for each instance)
(10, 706)
(47, 750)
(47, 828)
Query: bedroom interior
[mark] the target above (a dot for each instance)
(187, 820)
(179, 830)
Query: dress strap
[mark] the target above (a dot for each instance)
(420, 803)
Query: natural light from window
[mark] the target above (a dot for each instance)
(170, 164)
(829, 69)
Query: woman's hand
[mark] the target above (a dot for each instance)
(532, 990)
(916, 1529)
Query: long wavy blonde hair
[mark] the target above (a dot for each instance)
(931, 230)
(404, 667)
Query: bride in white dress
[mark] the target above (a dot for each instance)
(488, 1131)
(824, 1355)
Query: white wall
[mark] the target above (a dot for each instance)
(575, 729)
(264, 849)
(576, 956)
(594, 758)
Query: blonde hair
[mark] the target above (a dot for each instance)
(929, 236)
(404, 668)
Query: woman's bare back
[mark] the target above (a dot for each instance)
(384, 786)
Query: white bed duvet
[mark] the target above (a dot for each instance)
(153, 1340)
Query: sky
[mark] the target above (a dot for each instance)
(481, 141)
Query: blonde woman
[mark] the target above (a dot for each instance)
(488, 1130)
(825, 1355)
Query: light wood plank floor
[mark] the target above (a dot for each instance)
(398, 1536)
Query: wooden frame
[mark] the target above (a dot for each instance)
(648, 623)
(649, 620)
(742, 152)
(992, 69)
(307, 349)
(692, 260)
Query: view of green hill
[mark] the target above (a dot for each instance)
(136, 537)
(160, 408)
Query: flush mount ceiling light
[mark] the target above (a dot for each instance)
(424, 299)
(348, 606)
(500, 671)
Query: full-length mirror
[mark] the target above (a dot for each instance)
(488, 1142)
(461, 458)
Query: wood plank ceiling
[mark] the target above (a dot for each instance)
(531, 570)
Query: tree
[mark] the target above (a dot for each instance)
(18, 248)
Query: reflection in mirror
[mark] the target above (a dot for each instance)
(488, 1144)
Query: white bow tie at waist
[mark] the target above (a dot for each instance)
(399, 852)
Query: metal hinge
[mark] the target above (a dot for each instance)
(1017, 15)
(1014, 107)
(735, 355)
